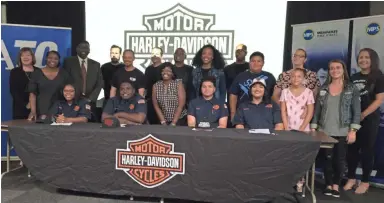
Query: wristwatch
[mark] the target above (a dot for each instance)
(353, 129)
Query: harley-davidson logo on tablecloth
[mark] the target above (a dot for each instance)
(150, 161)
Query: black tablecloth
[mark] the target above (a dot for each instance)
(225, 165)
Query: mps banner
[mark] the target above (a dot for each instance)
(41, 39)
(369, 33)
(323, 41)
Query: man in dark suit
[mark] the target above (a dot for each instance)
(87, 77)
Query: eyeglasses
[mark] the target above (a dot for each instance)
(300, 56)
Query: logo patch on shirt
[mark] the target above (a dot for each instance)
(131, 106)
(88, 107)
(216, 107)
(77, 108)
(269, 106)
(141, 101)
(132, 79)
(323, 92)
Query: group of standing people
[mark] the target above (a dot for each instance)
(210, 94)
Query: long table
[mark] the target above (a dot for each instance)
(223, 165)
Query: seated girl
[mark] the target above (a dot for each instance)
(260, 112)
(70, 109)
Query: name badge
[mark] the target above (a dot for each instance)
(204, 125)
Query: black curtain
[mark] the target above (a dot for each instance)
(50, 13)
(299, 12)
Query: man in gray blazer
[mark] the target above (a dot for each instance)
(87, 77)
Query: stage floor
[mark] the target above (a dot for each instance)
(18, 188)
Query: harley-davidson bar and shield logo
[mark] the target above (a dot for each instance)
(178, 27)
(150, 161)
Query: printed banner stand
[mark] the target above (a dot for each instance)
(368, 32)
(41, 39)
(323, 42)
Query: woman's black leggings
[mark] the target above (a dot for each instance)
(335, 162)
(365, 141)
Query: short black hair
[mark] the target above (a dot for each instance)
(115, 46)
(211, 79)
(129, 50)
(256, 53)
(84, 42)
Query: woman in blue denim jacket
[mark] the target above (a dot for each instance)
(208, 61)
(337, 114)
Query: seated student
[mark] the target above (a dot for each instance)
(260, 112)
(207, 111)
(71, 109)
(128, 107)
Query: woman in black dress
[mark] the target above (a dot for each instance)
(18, 83)
(45, 86)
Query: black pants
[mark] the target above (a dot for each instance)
(335, 162)
(365, 141)
(151, 113)
(95, 113)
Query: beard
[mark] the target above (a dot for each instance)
(114, 60)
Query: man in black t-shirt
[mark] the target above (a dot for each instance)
(239, 89)
(183, 72)
(152, 75)
(231, 71)
(128, 74)
(109, 69)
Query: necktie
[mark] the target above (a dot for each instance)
(84, 75)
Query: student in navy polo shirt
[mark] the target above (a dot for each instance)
(128, 107)
(239, 91)
(260, 112)
(206, 110)
(71, 109)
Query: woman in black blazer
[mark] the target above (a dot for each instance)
(18, 83)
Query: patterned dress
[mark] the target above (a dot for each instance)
(168, 99)
(311, 81)
(295, 107)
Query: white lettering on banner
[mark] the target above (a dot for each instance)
(5, 57)
(39, 51)
(174, 22)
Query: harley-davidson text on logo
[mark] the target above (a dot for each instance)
(150, 161)
(179, 27)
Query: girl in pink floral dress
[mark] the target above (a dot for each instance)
(294, 100)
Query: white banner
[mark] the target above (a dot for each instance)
(367, 33)
(323, 42)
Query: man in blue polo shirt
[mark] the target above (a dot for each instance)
(207, 111)
(239, 91)
(128, 107)
(260, 112)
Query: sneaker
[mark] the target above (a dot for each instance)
(335, 193)
(327, 192)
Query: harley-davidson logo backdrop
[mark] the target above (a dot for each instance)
(150, 161)
(178, 27)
